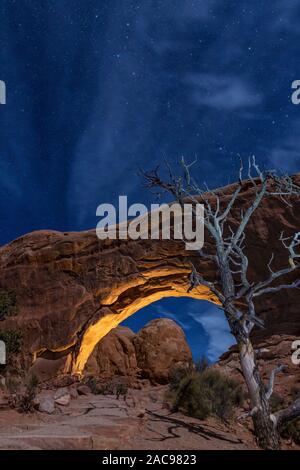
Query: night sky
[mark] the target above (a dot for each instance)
(97, 89)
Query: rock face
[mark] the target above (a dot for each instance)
(72, 288)
(46, 369)
(276, 349)
(114, 355)
(151, 353)
(161, 345)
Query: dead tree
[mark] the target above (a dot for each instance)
(236, 294)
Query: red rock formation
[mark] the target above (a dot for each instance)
(114, 355)
(72, 288)
(271, 351)
(151, 353)
(160, 346)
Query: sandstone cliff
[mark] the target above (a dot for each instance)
(151, 354)
(72, 288)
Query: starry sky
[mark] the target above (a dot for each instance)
(97, 89)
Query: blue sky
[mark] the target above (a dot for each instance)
(97, 89)
(204, 325)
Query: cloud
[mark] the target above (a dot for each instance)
(226, 93)
(215, 325)
(204, 324)
(161, 311)
(210, 319)
(285, 156)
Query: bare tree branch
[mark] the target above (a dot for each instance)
(288, 414)
(234, 291)
(275, 371)
(248, 414)
(197, 280)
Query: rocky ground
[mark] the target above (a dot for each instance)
(67, 415)
(140, 421)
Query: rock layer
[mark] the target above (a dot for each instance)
(72, 288)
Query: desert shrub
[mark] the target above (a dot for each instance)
(177, 374)
(12, 339)
(202, 364)
(101, 388)
(111, 387)
(276, 402)
(121, 389)
(291, 430)
(295, 392)
(32, 383)
(92, 383)
(8, 303)
(201, 394)
(12, 385)
(107, 388)
(22, 398)
(26, 400)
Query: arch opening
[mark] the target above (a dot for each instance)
(205, 326)
(112, 315)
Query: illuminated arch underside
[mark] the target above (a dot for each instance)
(96, 332)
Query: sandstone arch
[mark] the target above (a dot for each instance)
(119, 312)
(72, 288)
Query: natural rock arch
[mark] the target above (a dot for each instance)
(112, 316)
(73, 288)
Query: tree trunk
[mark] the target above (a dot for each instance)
(265, 428)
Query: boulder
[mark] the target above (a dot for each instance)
(150, 354)
(4, 402)
(73, 393)
(46, 405)
(114, 355)
(60, 392)
(64, 400)
(83, 390)
(160, 346)
(62, 396)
